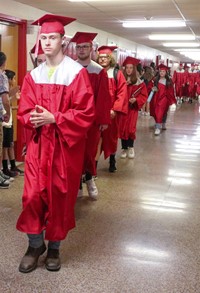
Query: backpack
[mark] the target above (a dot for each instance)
(115, 71)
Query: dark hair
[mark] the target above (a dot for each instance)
(168, 80)
(140, 69)
(148, 73)
(2, 58)
(152, 64)
(10, 74)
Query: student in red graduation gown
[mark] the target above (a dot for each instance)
(99, 82)
(178, 80)
(186, 83)
(137, 96)
(57, 104)
(119, 103)
(164, 96)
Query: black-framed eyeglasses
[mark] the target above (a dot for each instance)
(104, 57)
(84, 47)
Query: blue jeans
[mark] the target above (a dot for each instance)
(36, 240)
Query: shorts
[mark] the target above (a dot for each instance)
(7, 137)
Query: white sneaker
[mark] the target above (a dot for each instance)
(157, 131)
(123, 154)
(131, 153)
(164, 126)
(7, 179)
(80, 193)
(92, 189)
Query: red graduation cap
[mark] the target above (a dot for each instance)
(83, 37)
(40, 51)
(163, 67)
(131, 60)
(106, 49)
(186, 66)
(51, 23)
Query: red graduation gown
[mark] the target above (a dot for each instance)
(192, 84)
(198, 83)
(55, 152)
(161, 101)
(178, 80)
(127, 125)
(99, 82)
(119, 101)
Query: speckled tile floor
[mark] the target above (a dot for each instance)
(143, 233)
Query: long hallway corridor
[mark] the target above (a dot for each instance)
(142, 235)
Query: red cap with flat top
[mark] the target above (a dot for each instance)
(40, 51)
(131, 60)
(163, 67)
(83, 37)
(106, 49)
(51, 23)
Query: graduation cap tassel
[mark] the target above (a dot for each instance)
(37, 45)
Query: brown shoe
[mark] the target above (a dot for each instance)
(52, 262)
(30, 259)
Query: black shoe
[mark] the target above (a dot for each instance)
(52, 262)
(30, 259)
(10, 173)
(112, 167)
(19, 171)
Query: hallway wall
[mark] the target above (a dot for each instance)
(12, 8)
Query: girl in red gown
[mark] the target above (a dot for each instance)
(137, 96)
(164, 96)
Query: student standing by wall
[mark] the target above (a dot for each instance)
(4, 115)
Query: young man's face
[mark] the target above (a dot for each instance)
(104, 60)
(83, 51)
(51, 44)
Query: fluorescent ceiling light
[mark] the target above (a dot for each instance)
(154, 23)
(90, 0)
(186, 50)
(195, 57)
(189, 53)
(181, 44)
(192, 55)
(168, 37)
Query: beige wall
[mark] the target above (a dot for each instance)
(12, 8)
